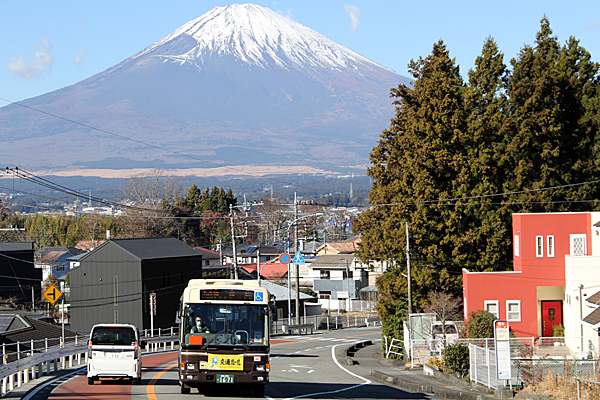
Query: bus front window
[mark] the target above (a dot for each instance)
(227, 324)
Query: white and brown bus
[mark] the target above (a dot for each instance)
(224, 335)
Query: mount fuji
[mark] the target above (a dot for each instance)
(240, 85)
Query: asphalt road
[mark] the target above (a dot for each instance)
(302, 366)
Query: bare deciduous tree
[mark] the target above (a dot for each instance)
(445, 306)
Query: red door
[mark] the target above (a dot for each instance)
(551, 316)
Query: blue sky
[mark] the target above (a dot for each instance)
(45, 45)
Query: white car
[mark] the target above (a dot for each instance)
(436, 340)
(114, 352)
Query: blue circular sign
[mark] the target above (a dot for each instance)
(285, 258)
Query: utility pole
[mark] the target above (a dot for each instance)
(297, 265)
(235, 270)
(408, 272)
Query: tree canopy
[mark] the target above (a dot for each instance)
(460, 157)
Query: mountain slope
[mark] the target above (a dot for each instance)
(239, 85)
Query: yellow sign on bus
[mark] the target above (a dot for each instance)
(220, 362)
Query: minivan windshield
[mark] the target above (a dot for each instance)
(119, 336)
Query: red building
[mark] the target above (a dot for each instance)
(531, 296)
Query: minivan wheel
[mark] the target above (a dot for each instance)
(90, 380)
(135, 381)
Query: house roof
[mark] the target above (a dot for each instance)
(152, 248)
(16, 246)
(341, 247)
(24, 329)
(281, 292)
(208, 254)
(333, 261)
(268, 270)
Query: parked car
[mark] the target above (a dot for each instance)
(436, 340)
(115, 352)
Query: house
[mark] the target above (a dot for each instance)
(338, 279)
(19, 279)
(114, 281)
(209, 257)
(555, 259)
(56, 261)
(281, 299)
(248, 254)
(347, 247)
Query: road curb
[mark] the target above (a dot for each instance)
(418, 388)
(348, 352)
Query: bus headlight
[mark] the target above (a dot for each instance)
(259, 367)
(190, 365)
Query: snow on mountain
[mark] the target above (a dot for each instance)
(239, 85)
(256, 35)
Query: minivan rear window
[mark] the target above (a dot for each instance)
(113, 336)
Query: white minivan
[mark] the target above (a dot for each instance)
(114, 352)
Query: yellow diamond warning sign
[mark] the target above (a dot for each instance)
(52, 294)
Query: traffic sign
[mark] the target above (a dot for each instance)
(298, 259)
(52, 294)
(284, 258)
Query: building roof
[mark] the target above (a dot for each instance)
(152, 248)
(268, 270)
(281, 292)
(87, 245)
(16, 246)
(208, 254)
(24, 329)
(333, 261)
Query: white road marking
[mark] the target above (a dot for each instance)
(366, 381)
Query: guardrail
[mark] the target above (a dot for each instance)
(29, 365)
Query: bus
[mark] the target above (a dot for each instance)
(224, 335)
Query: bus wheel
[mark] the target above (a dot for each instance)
(259, 391)
(185, 389)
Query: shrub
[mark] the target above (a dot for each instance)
(480, 324)
(456, 358)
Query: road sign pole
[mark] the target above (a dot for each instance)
(62, 319)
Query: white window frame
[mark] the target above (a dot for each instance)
(550, 245)
(516, 245)
(508, 312)
(492, 302)
(539, 246)
(575, 236)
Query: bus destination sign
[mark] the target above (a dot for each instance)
(227, 294)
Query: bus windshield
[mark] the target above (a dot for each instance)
(226, 325)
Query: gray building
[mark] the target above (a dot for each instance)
(112, 283)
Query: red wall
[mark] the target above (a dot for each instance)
(530, 271)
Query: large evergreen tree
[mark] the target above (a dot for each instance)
(459, 159)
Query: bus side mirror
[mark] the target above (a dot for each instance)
(143, 344)
(178, 317)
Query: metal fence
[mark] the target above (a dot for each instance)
(524, 370)
(328, 322)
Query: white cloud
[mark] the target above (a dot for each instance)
(354, 13)
(79, 57)
(42, 61)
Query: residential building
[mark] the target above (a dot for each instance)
(19, 280)
(338, 279)
(555, 260)
(114, 281)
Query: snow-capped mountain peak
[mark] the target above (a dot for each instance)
(255, 35)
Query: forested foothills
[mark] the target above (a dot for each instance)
(460, 156)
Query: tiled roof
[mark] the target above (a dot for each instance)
(208, 254)
(268, 270)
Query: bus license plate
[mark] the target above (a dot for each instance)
(221, 378)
